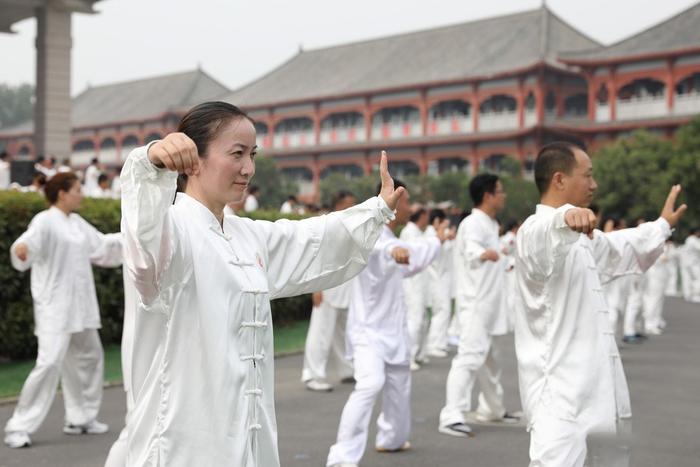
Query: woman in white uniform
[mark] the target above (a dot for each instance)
(202, 373)
(60, 247)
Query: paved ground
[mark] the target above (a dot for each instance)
(664, 378)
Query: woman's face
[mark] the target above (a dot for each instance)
(229, 163)
(72, 198)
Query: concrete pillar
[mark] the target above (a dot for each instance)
(52, 112)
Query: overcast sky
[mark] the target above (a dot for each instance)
(236, 41)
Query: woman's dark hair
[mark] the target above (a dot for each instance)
(204, 122)
(338, 197)
(437, 213)
(63, 181)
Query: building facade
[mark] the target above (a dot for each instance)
(448, 99)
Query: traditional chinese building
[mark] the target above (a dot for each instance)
(451, 98)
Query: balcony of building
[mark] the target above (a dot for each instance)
(343, 128)
(451, 117)
(687, 98)
(303, 178)
(397, 123)
(83, 152)
(642, 98)
(293, 133)
(498, 113)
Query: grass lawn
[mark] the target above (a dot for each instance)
(12, 375)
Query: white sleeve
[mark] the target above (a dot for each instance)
(105, 249)
(422, 252)
(545, 242)
(629, 251)
(33, 237)
(149, 239)
(321, 252)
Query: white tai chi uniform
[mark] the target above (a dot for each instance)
(92, 174)
(507, 241)
(572, 382)
(654, 289)
(673, 270)
(633, 310)
(482, 316)
(61, 251)
(118, 451)
(202, 373)
(324, 352)
(439, 294)
(4, 175)
(378, 343)
(251, 203)
(416, 294)
(616, 295)
(690, 268)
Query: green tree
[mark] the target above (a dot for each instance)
(274, 185)
(16, 104)
(361, 187)
(633, 176)
(684, 168)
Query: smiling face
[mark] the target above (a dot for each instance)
(229, 163)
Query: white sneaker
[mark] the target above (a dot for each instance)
(460, 430)
(437, 353)
(17, 439)
(318, 386)
(415, 366)
(92, 428)
(453, 341)
(653, 331)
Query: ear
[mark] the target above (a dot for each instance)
(558, 180)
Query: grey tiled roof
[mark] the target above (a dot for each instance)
(137, 100)
(475, 49)
(681, 31)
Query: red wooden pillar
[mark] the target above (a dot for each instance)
(474, 101)
(317, 124)
(423, 108)
(118, 145)
(670, 85)
(592, 97)
(271, 128)
(475, 160)
(520, 99)
(367, 112)
(612, 93)
(422, 162)
(316, 177)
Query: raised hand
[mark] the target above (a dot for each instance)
(388, 194)
(581, 220)
(176, 152)
(400, 254)
(669, 212)
(443, 231)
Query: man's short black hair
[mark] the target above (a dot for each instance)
(552, 158)
(437, 213)
(340, 196)
(397, 183)
(253, 189)
(102, 178)
(3, 155)
(480, 185)
(417, 214)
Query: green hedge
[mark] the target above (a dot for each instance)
(16, 319)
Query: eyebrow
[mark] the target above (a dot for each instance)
(244, 146)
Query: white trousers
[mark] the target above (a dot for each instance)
(324, 351)
(478, 358)
(373, 376)
(440, 319)
(556, 443)
(634, 306)
(653, 301)
(78, 359)
(672, 284)
(417, 320)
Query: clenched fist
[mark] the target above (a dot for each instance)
(176, 152)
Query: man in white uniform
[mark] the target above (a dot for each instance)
(378, 343)
(416, 291)
(325, 341)
(690, 267)
(480, 274)
(439, 288)
(251, 201)
(572, 384)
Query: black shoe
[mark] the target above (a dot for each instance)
(632, 340)
(641, 336)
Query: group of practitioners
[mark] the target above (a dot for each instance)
(197, 348)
